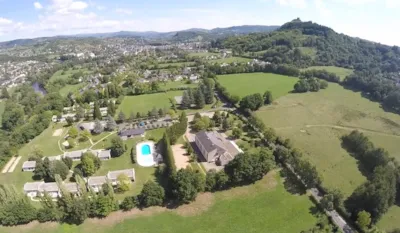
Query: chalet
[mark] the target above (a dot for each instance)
(130, 133)
(215, 148)
(29, 166)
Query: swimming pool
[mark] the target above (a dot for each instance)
(145, 154)
(146, 149)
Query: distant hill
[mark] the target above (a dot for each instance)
(193, 34)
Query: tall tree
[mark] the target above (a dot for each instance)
(267, 98)
(117, 147)
(121, 117)
(4, 93)
(186, 101)
(186, 184)
(111, 108)
(199, 100)
(152, 195)
(111, 124)
(96, 111)
(98, 127)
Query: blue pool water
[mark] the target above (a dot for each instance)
(146, 149)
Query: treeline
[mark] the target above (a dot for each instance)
(379, 193)
(321, 74)
(255, 101)
(378, 86)
(200, 96)
(310, 84)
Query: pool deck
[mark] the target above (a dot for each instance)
(145, 160)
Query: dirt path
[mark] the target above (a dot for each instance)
(8, 165)
(349, 128)
(181, 159)
(14, 165)
(93, 144)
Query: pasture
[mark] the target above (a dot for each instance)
(341, 72)
(316, 121)
(145, 103)
(245, 84)
(251, 208)
(61, 74)
(230, 60)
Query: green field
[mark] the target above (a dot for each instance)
(341, 72)
(175, 64)
(206, 54)
(316, 121)
(245, 84)
(230, 60)
(180, 84)
(69, 72)
(263, 207)
(70, 88)
(145, 103)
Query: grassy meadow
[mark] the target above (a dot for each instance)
(341, 72)
(316, 121)
(245, 84)
(59, 74)
(230, 60)
(263, 207)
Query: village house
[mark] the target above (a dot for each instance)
(112, 176)
(131, 133)
(74, 155)
(29, 166)
(215, 148)
(37, 189)
(194, 78)
(96, 182)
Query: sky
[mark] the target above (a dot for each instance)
(375, 20)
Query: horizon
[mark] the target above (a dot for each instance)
(21, 19)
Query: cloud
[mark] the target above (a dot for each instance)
(321, 8)
(123, 11)
(4, 21)
(293, 3)
(37, 5)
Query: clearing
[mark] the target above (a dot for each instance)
(245, 84)
(251, 208)
(316, 121)
(342, 72)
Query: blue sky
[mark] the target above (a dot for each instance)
(374, 20)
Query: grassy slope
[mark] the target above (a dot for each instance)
(342, 72)
(338, 107)
(255, 208)
(245, 84)
(144, 103)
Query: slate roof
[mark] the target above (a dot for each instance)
(132, 132)
(49, 187)
(72, 187)
(74, 154)
(32, 186)
(214, 141)
(29, 164)
(113, 175)
(104, 154)
(97, 180)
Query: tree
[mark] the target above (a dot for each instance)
(138, 116)
(152, 195)
(248, 168)
(154, 112)
(217, 118)
(363, 219)
(267, 98)
(117, 147)
(199, 100)
(80, 113)
(216, 180)
(111, 108)
(124, 183)
(98, 127)
(69, 120)
(73, 132)
(71, 143)
(57, 167)
(96, 111)
(104, 205)
(161, 112)
(132, 117)
(252, 102)
(186, 184)
(90, 163)
(68, 161)
(237, 133)
(225, 124)
(186, 101)
(270, 135)
(121, 117)
(4, 93)
(128, 203)
(111, 125)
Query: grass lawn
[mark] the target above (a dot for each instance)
(342, 72)
(263, 207)
(69, 72)
(179, 84)
(230, 60)
(70, 88)
(245, 84)
(206, 54)
(316, 121)
(145, 103)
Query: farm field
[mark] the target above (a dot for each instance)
(178, 84)
(316, 121)
(245, 84)
(230, 60)
(342, 72)
(252, 208)
(145, 103)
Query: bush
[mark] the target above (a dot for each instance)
(152, 195)
(128, 203)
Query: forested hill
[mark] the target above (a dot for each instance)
(306, 43)
(303, 44)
